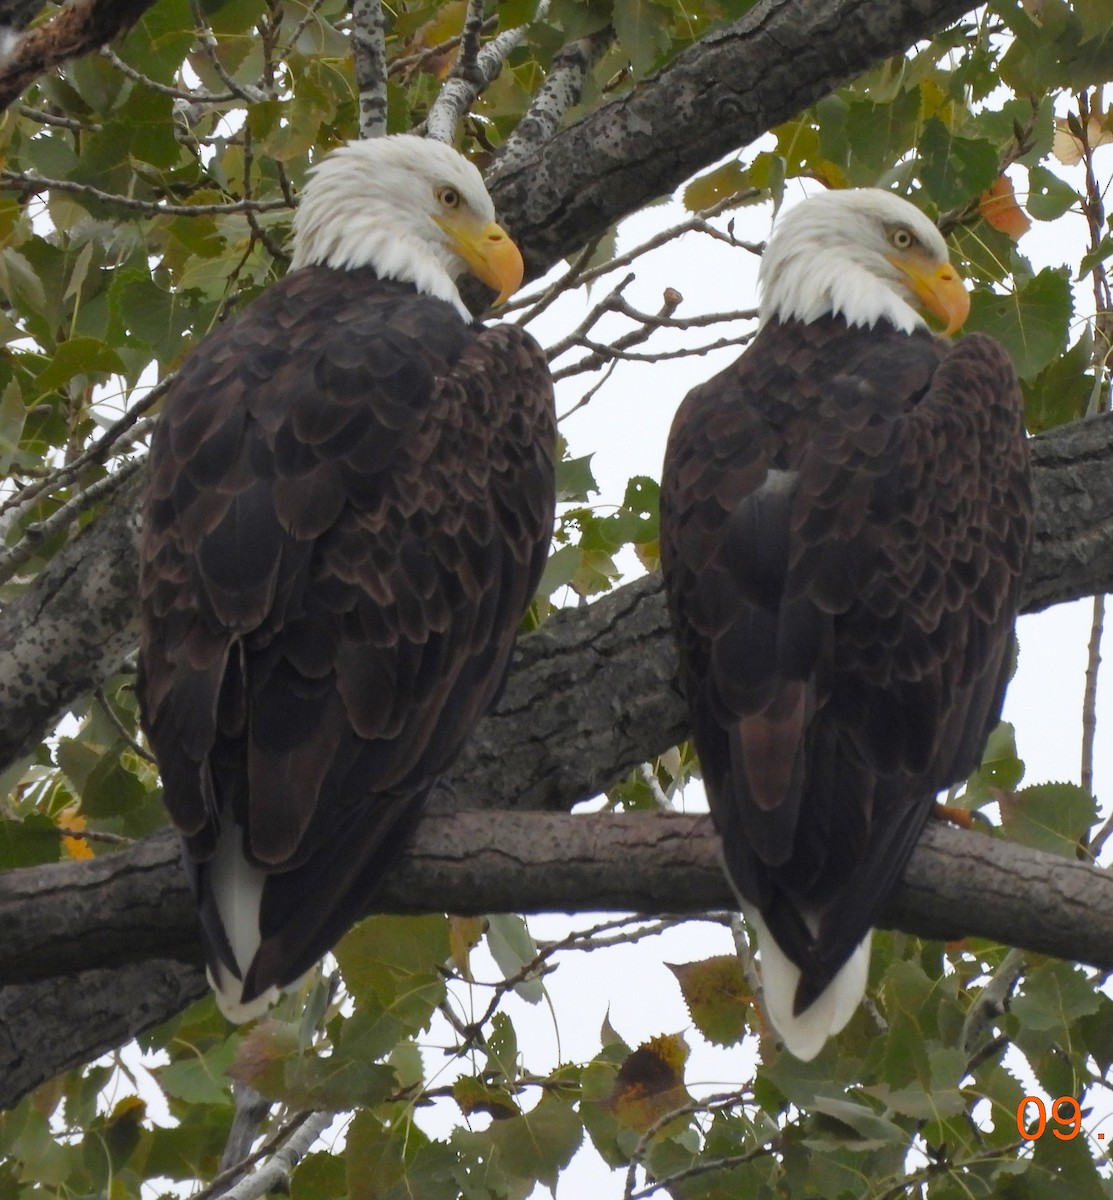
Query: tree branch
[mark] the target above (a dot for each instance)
(80, 27)
(469, 77)
(719, 94)
(369, 60)
(120, 908)
(562, 89)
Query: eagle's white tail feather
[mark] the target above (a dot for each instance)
(238, 891)
(804, 1035)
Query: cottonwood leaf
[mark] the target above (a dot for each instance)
(999, 207)
(1048, 816)
(1031, 323)
(717, 995)
(650, 1084)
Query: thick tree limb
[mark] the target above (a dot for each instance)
(119, 909)
(715, 97)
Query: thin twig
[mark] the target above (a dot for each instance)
(602, 354)
(33, 183)
(45, 118)
(577, 275)
(121, 728)
(399, 65)
(248, 92)
(194, 97)
(311, 12)
(96, 453)
(710, 1104)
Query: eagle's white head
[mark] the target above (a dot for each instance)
(862, 254)
(411, 208)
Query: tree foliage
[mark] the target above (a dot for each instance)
(147, 190)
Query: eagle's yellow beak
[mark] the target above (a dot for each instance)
(940, 288)
(489, 252)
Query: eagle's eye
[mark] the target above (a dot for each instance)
(449, 197)
(902, 239)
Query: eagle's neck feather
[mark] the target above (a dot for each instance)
(348, 232)
(807, 289)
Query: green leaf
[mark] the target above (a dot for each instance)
(717, 995)
(560, 569)
(1031, 324)
(1048, 816)
(202, 1078)
(1063, 390)
(1001, 769)
(535, 1146)
(1053, 997)
(1048, 195)
(28, 842)
(1102, 251)
(642, 27)
(574, 480)
(79, 356)
(512, 947)
(955, 169)
(393, 963)
(321, 1177)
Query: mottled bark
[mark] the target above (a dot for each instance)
(78, 917)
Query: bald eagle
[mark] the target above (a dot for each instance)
(845, 518)
(349, 504)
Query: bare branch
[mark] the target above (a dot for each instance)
(197, 97)
(560, 92)
(458, 92)
(274, 1176)
(249, 93)
(28, 183)
(369, 59)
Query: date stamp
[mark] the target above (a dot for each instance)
(1043, 1114)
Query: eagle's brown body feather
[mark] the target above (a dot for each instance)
(846, 514)
(350, 503)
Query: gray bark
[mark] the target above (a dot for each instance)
(76, 918)
(717, 96)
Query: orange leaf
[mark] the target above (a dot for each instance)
(75, 847)
(1000, 209)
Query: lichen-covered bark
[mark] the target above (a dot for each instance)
(70, 630)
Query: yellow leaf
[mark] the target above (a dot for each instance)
(75, 847)
(709, 189)
(463, 936)
(999, 207)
